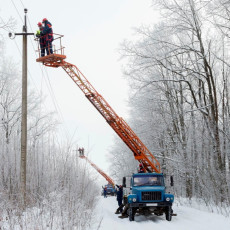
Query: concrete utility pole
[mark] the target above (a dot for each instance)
(24, 112)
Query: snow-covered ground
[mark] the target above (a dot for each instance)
(187, 219)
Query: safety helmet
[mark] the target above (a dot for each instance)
(140, 165)
(44, 20)
(39, 24)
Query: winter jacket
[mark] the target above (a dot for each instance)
(40, 35)
(119, 193)
(48, 31)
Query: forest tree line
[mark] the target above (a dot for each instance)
(60, 194)
(178, 72)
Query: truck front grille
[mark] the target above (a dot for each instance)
(151, 195)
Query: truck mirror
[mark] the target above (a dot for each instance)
(124, 182)
(171, 181)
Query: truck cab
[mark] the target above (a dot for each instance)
(110, 190)
(148, 195)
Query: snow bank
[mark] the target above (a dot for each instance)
(187, 219)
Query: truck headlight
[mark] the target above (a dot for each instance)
(134, 199)
(167, 199)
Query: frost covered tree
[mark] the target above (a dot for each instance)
(61, 194)
(178, 73)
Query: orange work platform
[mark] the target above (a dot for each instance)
(139, 150)
(52, 60)
(56, 58)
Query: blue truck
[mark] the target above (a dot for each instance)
(110, 190)
(145, 197)
(148, 195)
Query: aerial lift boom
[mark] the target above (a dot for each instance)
(82, 155)
(140, 151)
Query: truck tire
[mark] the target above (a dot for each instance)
(131, 214)
(168, 214)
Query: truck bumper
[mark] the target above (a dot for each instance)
(154, 205)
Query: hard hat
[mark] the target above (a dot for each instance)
(39, 24)
(140, 165)
(44, 20)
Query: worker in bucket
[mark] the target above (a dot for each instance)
(48, 36)
(119, 199)
(40, 35)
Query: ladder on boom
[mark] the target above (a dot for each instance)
(82, 155)
(140, 151)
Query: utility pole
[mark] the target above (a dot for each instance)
(24, 111)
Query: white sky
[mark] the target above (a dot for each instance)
(93, 31)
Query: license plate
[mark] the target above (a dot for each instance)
(154, 204)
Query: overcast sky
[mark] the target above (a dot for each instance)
(93, 31)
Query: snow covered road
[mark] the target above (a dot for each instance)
(187, 219)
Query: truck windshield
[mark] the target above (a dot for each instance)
(148, 180)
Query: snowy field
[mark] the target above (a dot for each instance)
(187, 219)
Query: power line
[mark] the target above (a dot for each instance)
(49, 86)
(22, 4)
(17, 10)
(33, 81)
(5, 25)
(30, 75)
(47, 81)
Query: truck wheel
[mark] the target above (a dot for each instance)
(131, 214)
(168, 214)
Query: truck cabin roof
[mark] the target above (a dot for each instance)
(148, 174)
